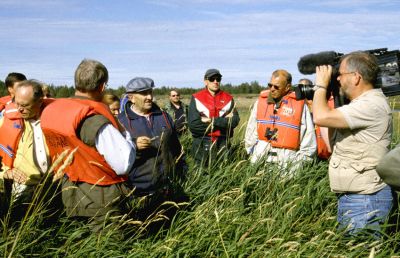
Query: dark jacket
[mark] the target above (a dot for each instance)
(180, 122)
(153, 166)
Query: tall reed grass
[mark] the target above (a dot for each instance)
(236, 209)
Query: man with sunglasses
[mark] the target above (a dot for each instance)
(361, 133)
(212, 118)
(280, 128)
(177, 110)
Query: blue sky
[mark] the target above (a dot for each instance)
(175, 41)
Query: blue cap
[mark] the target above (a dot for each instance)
(139, 84)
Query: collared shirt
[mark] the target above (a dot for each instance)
(39, 148)
(24, 158)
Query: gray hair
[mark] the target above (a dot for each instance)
(90, 75)
(363, 63)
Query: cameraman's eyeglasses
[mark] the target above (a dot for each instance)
(213, 78)
(341, 74)
(276, 87)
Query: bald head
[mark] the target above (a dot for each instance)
(29, 98)
(280, 83)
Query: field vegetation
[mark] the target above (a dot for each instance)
(234, 209)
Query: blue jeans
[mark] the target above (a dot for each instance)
(364, 211)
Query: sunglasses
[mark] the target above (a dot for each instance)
(213, 78)
(177, 95)
(276, 87)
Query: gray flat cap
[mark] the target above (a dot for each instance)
(211, 72)
(139, 84)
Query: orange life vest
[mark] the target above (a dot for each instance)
(11, 132)
(322, 148)
(280, 127)
(60, 122)
(4, 101)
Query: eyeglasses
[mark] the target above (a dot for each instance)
(213, 78)
(276, 87)
(340, 74)
(177, 95)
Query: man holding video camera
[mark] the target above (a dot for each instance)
(361, 138)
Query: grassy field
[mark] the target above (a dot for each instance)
(235, 209)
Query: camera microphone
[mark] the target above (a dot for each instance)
(308, 63)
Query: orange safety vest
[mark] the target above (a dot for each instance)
(322, 148)
(4, 101)
(11, 131)
(60, 122)
(10, 134)
(280, 127)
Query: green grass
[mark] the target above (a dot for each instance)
(236, 209)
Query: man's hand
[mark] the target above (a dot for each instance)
(323, 75)
(205, 120)
(143, 142)
(16, 175)
(230, 115)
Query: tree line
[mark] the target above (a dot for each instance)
(67, 91)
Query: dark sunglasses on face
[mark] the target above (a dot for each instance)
(213, 78)
(177, 95)
(276, 87)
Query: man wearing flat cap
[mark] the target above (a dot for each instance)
(159, 153)
(212, 117)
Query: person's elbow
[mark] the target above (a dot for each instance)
(320, 118)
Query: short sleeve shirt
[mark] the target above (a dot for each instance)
(369, 117)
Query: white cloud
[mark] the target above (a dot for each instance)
(245, 45)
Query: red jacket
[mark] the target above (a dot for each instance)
(280, 127)
(213, 106)
(60, 122)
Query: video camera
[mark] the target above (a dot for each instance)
(388, 76)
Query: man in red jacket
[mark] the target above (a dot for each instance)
(212, 117)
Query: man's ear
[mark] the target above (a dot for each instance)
(130, 97)
(288, 87)
(103, 87)
(357, 78)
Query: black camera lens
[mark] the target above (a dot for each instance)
(303, 91)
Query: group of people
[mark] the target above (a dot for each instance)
(104, 150)
(355, 137)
